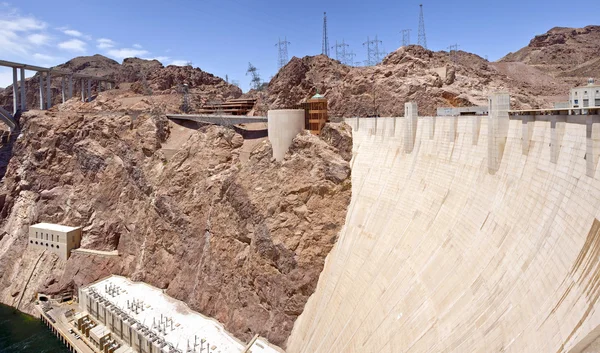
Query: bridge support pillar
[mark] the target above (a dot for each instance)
(15, 91)
(48, 90)
(41, 90)
(70, 86)
(89, 90)
(82, 90)
(592, 144)
(23, 98)
(498, 121)
(62, 89)
(410, 128)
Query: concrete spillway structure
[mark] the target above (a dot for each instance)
(445, 250)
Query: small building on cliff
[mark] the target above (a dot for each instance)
(56, 238)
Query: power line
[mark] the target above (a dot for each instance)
(350, 58)
(373, 53)
(325, 47)
(405, 37)
(422, 38)
(283, 52)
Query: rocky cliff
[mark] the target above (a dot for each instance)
(243, 242)
(563, 52)
(432, 79)
(144, 77)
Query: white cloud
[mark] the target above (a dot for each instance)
(73, 33)
(38, 38)
(105, 43)
(162, 59)
(21, 24)
(44, 57)
(127, 53)
(137, 46)
(73, 45)
(179, 62)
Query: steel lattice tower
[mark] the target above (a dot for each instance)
(340, 51)
(453, 51)
(283, 52)
(405, 37)
(325, 48)
(373, 53)
(422, 38)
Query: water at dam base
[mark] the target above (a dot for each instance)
(22, 333)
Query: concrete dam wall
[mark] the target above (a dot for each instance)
(438, 254)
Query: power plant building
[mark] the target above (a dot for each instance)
(56, 238)
(585, 96)
(119, 316)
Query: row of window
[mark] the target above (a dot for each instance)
(42, 236)
(41, 243)
(585, 92)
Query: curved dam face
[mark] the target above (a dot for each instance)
(440, 255)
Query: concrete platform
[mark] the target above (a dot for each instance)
(224, 120)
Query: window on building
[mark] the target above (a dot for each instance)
(58, 247)
(52, 237)
(31, 242)
(58, 238)
(51, 245)
(36, 235)
(36, 243)
(46, 244)
(46, 236)
(586, 103)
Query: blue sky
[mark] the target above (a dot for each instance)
(222, 36)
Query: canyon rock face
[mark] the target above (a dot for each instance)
(139, 76)
(563, 52)
(412, 73)
(243, 242)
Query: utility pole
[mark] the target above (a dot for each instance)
(373, 53)
(340, 51)
(405, 37)
(325, 47)
(453, 50)
(422, 38)
(283, 52)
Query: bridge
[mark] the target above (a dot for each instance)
(45, 75)
(224, 120)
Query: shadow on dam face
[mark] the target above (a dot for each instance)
(440, 255)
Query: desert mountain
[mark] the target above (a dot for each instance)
(412, 73)
(563, 52)
(139, 75)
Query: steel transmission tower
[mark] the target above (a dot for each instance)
(453, 49)
(283, 53)
(350, 58)
(325, 49)
(405, 37)
(373, 53)
(340, 51)
(422, 38)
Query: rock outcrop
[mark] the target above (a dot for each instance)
(432, 79)
(243, 242)
(139, 76)
(563, 52)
